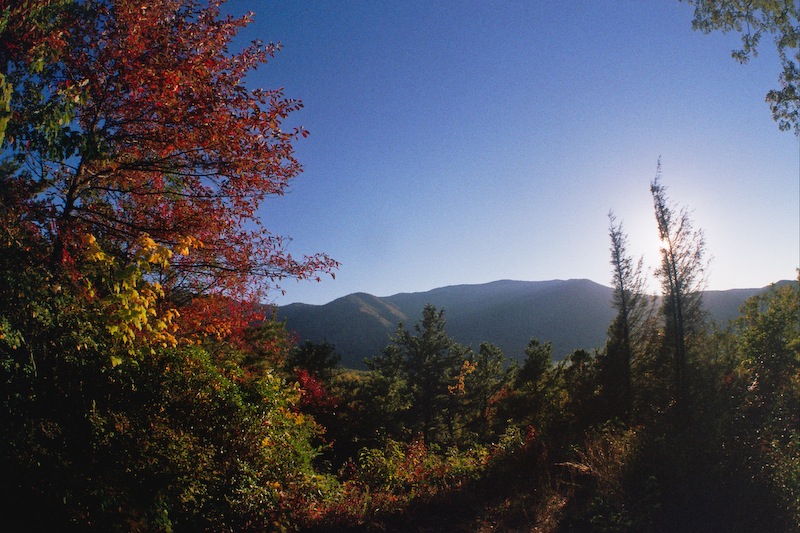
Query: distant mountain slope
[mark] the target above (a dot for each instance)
(571, 314)
(358, 324)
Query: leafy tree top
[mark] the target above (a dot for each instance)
(753, 19)
(131, 118)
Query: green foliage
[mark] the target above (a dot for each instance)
(483, 376)
(770, 345)
(5, 109)
(418, 371)
(359, 415)
(534, 384)
(784, 473)
(581, 386)
(386, 480)
(620, 496)
(171, 441)
(538, 360)
(769, 339)
(753, 20)
(319, 359)
(606, 456)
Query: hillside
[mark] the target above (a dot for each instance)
(572, 314)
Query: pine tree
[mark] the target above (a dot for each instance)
(421, 366)
(627, 329)
(682, 275)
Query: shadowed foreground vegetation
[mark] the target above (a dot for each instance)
(255, 433)
(549, 455)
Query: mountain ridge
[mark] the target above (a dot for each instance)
(572, 314)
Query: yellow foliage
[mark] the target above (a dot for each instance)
(131, 305)
(93, 251)
(152, 252)
(460, 385)
(185, 244)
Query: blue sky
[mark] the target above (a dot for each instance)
(464, 142)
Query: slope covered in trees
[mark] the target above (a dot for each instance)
(572, 314)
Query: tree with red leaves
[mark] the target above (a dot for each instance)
(133, 161)
(132, 118)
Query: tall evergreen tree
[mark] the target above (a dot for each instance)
(682, 275)
(624, 335)
(485, 375)
(532, 376)
(423, 364)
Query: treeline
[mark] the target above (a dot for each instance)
(144, 391)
